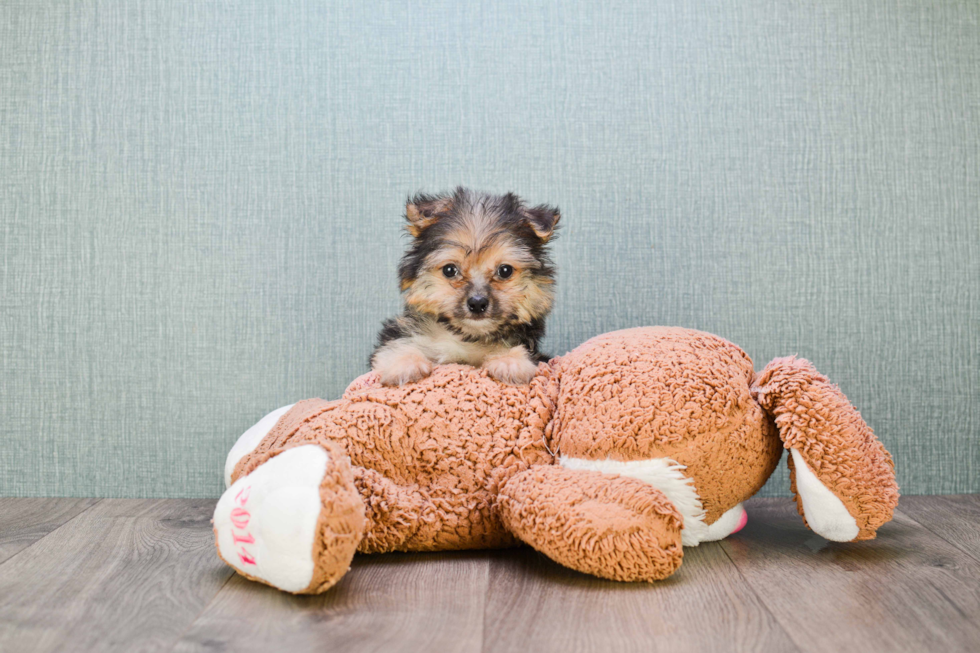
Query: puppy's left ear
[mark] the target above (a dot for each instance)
(422, 211)
(543, 220)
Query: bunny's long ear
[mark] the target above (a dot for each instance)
(842, 476)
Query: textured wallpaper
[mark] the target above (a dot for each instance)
(201, 203)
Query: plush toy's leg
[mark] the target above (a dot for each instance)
(610, 526)
(294, 522)
(842, 476)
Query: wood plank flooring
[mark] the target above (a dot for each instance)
(142, 575)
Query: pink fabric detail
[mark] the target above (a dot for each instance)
(742, 522)
(242, 497)
(246, 538)
(239, 518)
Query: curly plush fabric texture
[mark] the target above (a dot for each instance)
(428, 457)
(460, 461)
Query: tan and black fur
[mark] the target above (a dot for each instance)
(477, 282)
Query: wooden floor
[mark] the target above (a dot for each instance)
(142, 575)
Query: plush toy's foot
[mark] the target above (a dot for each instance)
(293, 523)
(668, 476)
(613, 527)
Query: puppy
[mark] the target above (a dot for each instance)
(477, 282)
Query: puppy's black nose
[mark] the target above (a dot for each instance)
(477, 304)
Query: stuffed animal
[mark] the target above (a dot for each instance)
(613, 458)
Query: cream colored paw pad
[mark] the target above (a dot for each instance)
(266, 521)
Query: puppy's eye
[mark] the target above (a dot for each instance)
(449, 270)
(504, 271)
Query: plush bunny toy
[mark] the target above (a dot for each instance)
(613, 458)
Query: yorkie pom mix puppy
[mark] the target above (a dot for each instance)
(477, 282)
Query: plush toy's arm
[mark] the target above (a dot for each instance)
(610, 526)
(842, 476)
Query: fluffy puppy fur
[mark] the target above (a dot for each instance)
(477, 282)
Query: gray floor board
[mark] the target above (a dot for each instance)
(142, 575)
(25, 521)
(126, 575)
(538, 605)
(954, 518)
(907, 590)
(392, 603)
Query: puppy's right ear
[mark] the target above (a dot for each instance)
(422, 211)
(543, 220)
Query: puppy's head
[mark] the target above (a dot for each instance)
(478, 262)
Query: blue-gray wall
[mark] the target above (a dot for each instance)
(201, 204)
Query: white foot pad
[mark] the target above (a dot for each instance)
(732, 521)
(250, 439)
(266, 521)
(824, 512)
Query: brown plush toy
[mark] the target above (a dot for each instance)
(613, 458)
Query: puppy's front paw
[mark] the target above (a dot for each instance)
(514, 367)
(399, 368)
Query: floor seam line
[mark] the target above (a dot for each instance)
(486, 603)
(60, 526)
(956, 546)
(204, 609)
(762, 601)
